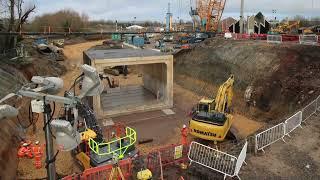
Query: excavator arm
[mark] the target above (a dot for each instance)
(224, 96)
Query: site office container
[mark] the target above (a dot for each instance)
(116, 37)
(138, 41)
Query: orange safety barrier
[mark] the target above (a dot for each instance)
(103, 172)
(169, 155)
(118, 128)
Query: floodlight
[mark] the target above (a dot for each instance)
(7, 111)
(67, 137)
(50, 85)
(91, 84)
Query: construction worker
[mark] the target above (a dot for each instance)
(25, 151)
(37, 151)
(184, 134)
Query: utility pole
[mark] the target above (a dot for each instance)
(241, 17)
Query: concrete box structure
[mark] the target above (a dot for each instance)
(155, 92)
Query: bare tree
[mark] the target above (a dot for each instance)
(22, 15)
(17, 15)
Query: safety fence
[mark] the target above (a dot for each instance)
(310, 109)
(118, 146)
(274, 39)
(104, 171)
(292, 123)
(270, 136)
(308, 39)
(216, 160)
(241, 36)
(165, 157)
(278, 38)
(279, 131)
(156, 161)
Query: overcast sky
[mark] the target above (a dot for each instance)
(156, 9)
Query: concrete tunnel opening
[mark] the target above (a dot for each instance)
(147, 86)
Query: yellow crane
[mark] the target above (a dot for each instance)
(212, 119)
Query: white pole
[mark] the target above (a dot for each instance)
(241, 17)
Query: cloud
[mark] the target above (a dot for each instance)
(156, 9)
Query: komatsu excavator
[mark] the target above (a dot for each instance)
(212, 119)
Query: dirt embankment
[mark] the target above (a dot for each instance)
(12, 76)
(72, 63)
(284, 77)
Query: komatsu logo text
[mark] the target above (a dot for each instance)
(205, 133)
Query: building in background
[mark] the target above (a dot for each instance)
(226, 23)
(254, 24)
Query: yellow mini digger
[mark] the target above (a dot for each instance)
(211, 120)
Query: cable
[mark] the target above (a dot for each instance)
(74, 84)
(49, 161)
(30, 120)
(50, 119)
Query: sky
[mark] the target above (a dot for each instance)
(126, 10)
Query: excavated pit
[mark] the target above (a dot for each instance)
(284, 77)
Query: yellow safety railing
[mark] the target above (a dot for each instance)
(117, 147)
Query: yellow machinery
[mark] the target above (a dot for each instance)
(211, 120)
(117, 148)
(287, 27)
(145, 174)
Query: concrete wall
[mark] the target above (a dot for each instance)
(155, 79)
(157, 73)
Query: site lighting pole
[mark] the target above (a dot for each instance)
(116, 25)
(274, 12)
(241, 17)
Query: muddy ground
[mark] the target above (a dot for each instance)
(198, 73)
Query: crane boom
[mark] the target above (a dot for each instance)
(210, 13)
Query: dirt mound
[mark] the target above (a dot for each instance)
(283, 76)
(14, 74)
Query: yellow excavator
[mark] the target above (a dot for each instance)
(212, 119)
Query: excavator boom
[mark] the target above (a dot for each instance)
(224, 96)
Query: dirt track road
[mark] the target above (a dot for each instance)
(73, 60)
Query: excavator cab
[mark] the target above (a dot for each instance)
(205, 105)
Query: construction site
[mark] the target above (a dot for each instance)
(211, 97)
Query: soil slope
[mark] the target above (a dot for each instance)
(284, 76)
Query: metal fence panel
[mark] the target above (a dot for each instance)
(241, 158)
(212, 159)
(274, 39)
(309, 110)
(270, 136)
(293, 122)
(308, 39)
